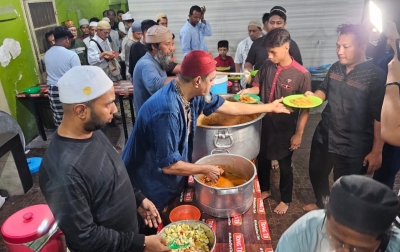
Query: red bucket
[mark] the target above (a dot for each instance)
(29, 224)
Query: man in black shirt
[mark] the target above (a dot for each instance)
(111, 16)
(258, 54)
(83, 177)
(348, 138)
(138, 50)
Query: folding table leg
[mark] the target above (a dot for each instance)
(39, 121)
(132, 111)
(121, 107)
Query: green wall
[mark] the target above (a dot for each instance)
(78, 9)
(20, 73)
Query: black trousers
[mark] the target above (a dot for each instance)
(286, 176)
(390, 165)
(321, 164)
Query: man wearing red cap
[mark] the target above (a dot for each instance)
(159, 151)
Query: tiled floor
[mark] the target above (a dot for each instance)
(302, 193)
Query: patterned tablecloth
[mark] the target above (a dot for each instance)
(247, 232)
(123, 87)
(120, 88)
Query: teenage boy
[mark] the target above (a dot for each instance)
(279, 76)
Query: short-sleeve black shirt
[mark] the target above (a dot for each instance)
(278, 129)
(258, 54)
(354, 102)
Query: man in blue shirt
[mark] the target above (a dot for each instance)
(359, 217)
(193, 32)
(158, 153)
(150, 74)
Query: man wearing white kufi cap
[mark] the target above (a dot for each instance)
(84, 27)
(128, 20)
(83, 178)
(92, 32)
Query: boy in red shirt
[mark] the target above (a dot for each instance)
(222, 59)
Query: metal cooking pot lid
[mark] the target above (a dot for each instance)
(9, 125)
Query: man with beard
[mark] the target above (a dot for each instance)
(254, 30)
(158, 153)
(150, 71)
(83, 178)
(92, 32)
(77, 45)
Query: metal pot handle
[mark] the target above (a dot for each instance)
(220, 150)
(228, 191)
(223, 133)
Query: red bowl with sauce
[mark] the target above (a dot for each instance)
(184, 212)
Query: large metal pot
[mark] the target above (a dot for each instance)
(241, 139)
(226, 202)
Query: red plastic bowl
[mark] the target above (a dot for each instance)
(184, 212)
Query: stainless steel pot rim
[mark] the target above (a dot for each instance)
(233, 126)
(251, 180)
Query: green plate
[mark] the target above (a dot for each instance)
(253, 73)
(32, 90)
(234, 77)
(315, 100)
(236, 98)
(223, 68)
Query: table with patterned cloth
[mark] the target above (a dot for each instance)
(247, 232)
(123, 90)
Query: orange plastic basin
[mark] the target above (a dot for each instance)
(184, 212)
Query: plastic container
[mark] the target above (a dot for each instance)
(32, 90)
(220, 85)
(184, 212)
(229, 87)
(30, 224)
(34, 164)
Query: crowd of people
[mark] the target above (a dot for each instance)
(97, 197)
